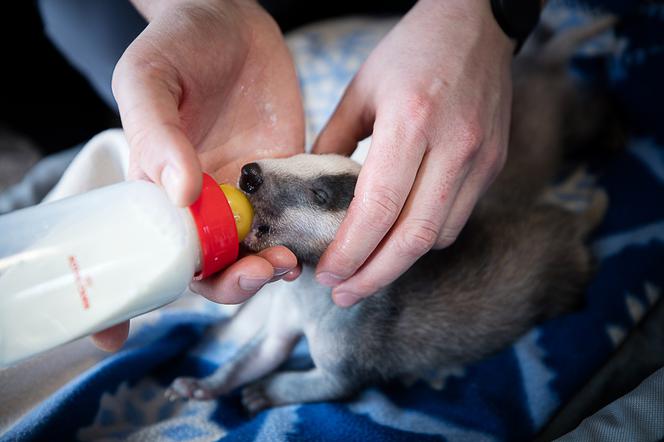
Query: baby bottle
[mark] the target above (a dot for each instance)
(77, 266)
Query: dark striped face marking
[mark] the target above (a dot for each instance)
(333, 192)
(301, 202)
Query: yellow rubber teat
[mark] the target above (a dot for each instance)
(243, 212)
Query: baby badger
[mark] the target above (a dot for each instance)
(519, 260)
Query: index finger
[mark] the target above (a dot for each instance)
(382, 188)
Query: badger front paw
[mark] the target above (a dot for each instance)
(189, 388)
(255, 398)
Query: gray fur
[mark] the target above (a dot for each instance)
(520, 259)
(301, 202)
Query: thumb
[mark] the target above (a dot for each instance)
(350, 123)
(148, 101)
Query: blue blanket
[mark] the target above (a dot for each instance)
(508, 396)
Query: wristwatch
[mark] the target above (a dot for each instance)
(517, 18)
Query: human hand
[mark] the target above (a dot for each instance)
(436, 94)
(209, 86)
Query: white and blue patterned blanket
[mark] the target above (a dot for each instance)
(76, 392)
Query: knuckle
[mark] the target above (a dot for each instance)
(144, 152)
(141, 61)
(131, 63)
(141, 58)
(470, 137)
(342, 263)
(416, 111)
(418, 237)
(138, 140)
(447, 236)
(380, 207)
(418, 106)
(126, 62)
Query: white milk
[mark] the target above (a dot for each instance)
(77, 266)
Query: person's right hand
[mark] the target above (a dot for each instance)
(435, 95)
(208, 86)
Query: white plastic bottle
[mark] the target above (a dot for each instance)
(79, 265)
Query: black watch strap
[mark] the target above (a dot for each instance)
(517, 18)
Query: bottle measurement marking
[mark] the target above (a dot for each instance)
(80, 282)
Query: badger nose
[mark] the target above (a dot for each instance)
(251, 177)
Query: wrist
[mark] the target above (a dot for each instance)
(150, 9)
(517, 18)
(476, 16)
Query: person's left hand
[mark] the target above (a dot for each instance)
(436, 95)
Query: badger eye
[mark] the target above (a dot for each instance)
(321, 197)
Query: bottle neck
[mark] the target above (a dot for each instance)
(192, 240)
(216, 229)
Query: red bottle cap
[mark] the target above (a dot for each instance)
(216, 229)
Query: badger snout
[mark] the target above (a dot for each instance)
(251, 177)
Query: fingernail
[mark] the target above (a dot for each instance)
(292, 274)
(329, 279)
(280, 271)
(171, 180)
(345, 299)
(251, 284)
